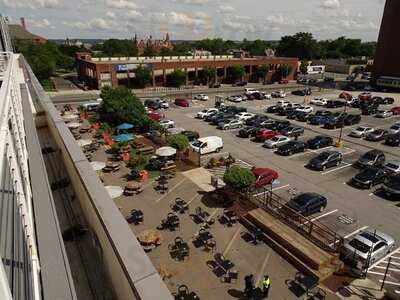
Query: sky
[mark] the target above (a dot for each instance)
(197, 19)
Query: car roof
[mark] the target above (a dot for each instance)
(374, 152)
(261, 171)
(374, 236)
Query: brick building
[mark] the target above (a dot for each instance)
(386, 69)
(114, 71)
(153, 45)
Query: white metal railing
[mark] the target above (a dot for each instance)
(13, 147)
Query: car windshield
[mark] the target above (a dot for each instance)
(369, 156)
(359, 246)
(302, 200)
(275, 139)
(324, 156)
(197, 144)
(361, 129)
(392, 166)
(395, 127)
(370, 236)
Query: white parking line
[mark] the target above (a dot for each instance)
(230, 244)
(280, 187)
(355, 231)
(390, 269)
(170, 190)
(377, 273)
(383, 258)
(243, 162)
(324, 215)
(391, 262)
(390, 282)
(346, 165)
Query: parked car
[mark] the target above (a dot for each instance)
(293, 106)
(293, 131)
(387, 100)
(395, 110)
(182, 102)
(291, 148)
(384, 114)
(167, 123)
(291, 114)
(369, 177)
(326, 159)
(304, 92)
(319, 101)
(306, 109)
(368, 110)
(214, 85)
(230, 124)
(233, 109)
(373, 158)
(308, 203)
(249, 131)
(302, 116)
(278, 125)
(318, 119)
(335, 120)
(393, 140)
(276, 141)
(391, 187)
(218, 118)
(271, 109)
(335, 103)
(395, 128)
(278, 94)
(352, 120)
(365, 96)
(256, 121)
(207, 145)
(265, 134)
(377, 135)
(329, 79)
(320, 141)
(264, 176)
(244, 116)
(367, 247)
(361, 131)
(392, 167)
(235, 98)
(283, 81)
(191, 135)
(240, 83)
(206, 112)
(201, 97)
(344, 95)
(155, 116)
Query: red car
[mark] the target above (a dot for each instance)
(283, 81)
(395, 110)
(155, 116)
(264, 176)
(265, 134)
(344, 95)
(182, 102)
(365, 96)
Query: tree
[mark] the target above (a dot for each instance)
(137, 162)
(115, 47)
(119, 105)
(262, 71)
(303, 67)
(285, 70)
(178, 141)
(301, 45)
(177, 78)
(239, 178)
(238, 71)
(209, 73)
(142, 76)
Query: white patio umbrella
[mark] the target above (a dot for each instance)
(114, 191)
(165, 151)
(97, 165)
(84, 142)
(69, 117)
(73, 125)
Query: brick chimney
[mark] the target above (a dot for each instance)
(23, 23)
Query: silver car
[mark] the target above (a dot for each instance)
(392, 167)
(395, 128)
(276, 141)
(230, 124)
(367, 247)
(361, 131)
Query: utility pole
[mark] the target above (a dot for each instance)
(386, 271)
(339, 143)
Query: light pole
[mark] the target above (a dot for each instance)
(339, 143)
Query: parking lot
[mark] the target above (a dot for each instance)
(349, 209)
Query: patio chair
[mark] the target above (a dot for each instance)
(182, 293)
(230, 277)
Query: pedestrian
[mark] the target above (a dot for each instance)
(265, 284)
(249, 286)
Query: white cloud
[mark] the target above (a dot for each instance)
(134, 15)
(121, 4)
(195, 2)
(32, 4)
(38, 23)
(331, 4)
(111, 14)
(93, 24)
(226, 9)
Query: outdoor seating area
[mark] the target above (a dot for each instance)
(179, 249)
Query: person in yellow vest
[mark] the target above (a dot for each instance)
(265, 284)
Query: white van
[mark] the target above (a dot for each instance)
(91, 106)
(250, 91)
(207, 145)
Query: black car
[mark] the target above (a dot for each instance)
(391, 187)
(323, 113)
(308, 203)
(282, 111)
(214, 85)
(326, 159)
(372, 158)
(336, 120)
(272, 109)
(369, 177)
(303, 116)
(320, 141)
(291, 147)
(352, 120)
(221, 117)
(278, 125)
(387, 100)
(152, 104)
(191, 135)
(393, 140)
(305, 92)
(292, 114)
(240, 83)
(258, 119)
(367, 110)
(293, 131)
(233, 109)
(377, 135)
(335, 103)
(329, 79)
(249, 131)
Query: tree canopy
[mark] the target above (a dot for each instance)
(178, 141)
(237, 72)
(115, 47)
(142, 76)
(177, 78)
(239, 178)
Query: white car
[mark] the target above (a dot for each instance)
(276, 141)
(251, 92)
(319, 101)
(306, 109)
(282, 103)
(361, 131)
(384, 114)
(201, 97)
(236, 98)
(244, 116)
(352, 100)
(278, 94)
(206, 112)
(294, 105)
(267, 96)
(167, 123)
(163, 103)
(392, 167)
(394, 129)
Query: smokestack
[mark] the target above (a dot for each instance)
(23, 23)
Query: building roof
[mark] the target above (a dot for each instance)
(18, 32)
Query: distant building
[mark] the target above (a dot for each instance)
(76, 43)
(387, 58)
(198, 53)
(152, 45)
(239, 53)
(19, 33)
(269, 52)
